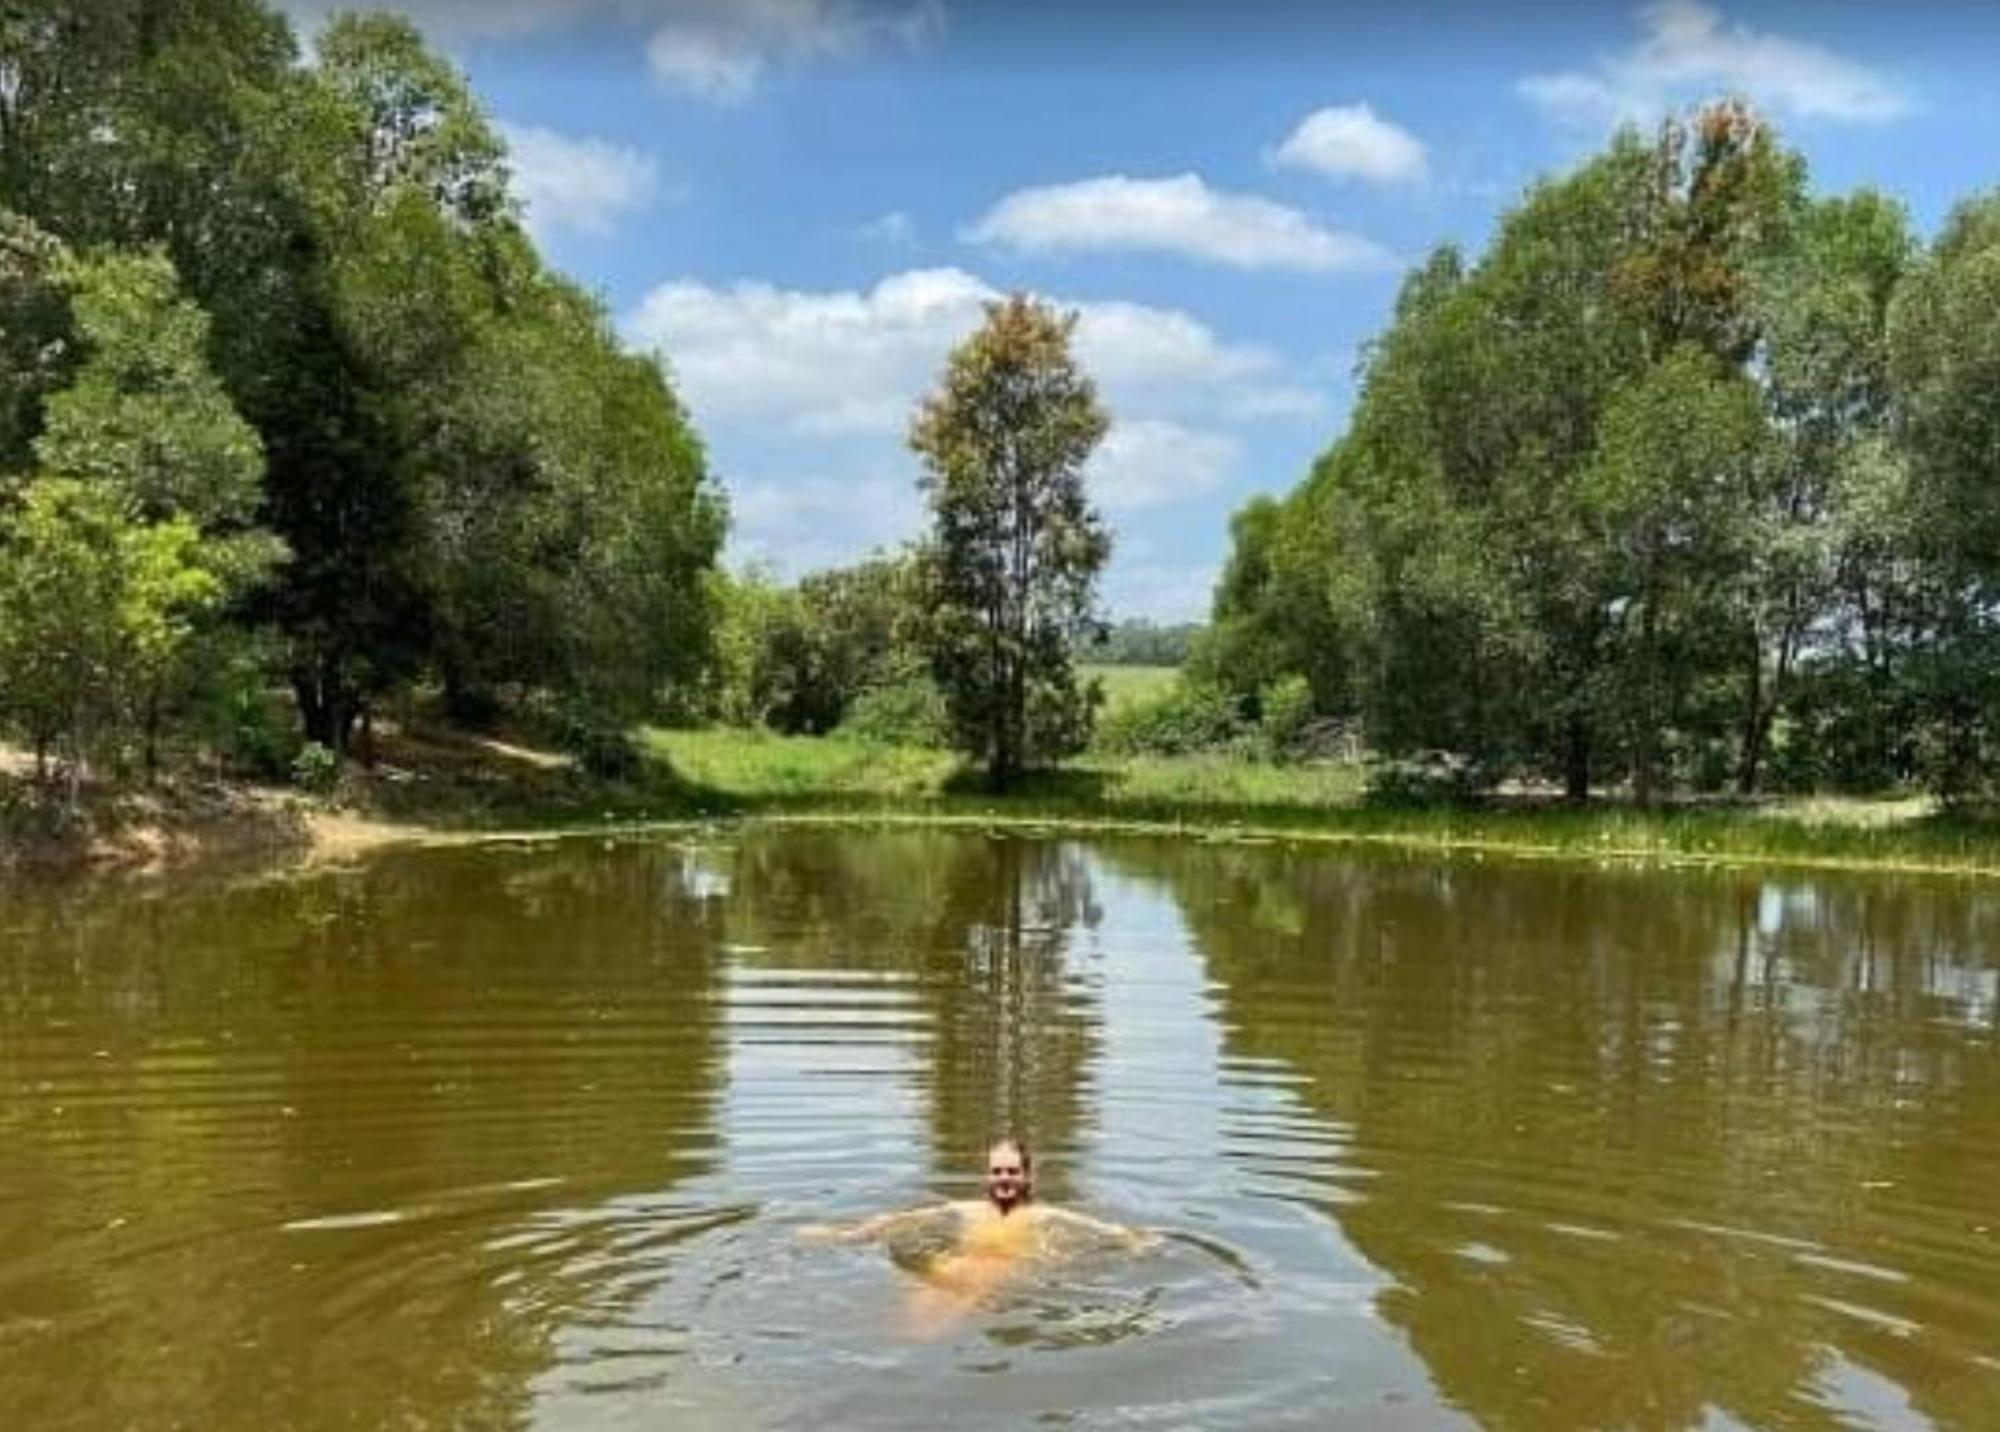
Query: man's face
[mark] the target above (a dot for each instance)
(1006, 1176)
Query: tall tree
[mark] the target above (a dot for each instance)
(146, 425)
(1944, 344)
(1015, 546)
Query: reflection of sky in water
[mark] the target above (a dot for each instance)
(1783, 957)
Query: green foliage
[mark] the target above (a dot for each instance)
(1687, 475)
(907, 712)
(1139, 642)
(1009, 574)
(35, 342)
(144, 413)
(96, 606)
(316, 768)
(119, 561)
(1185, 718)
(235, 711)
(469, 475)
(1285, 715)
(798, 658)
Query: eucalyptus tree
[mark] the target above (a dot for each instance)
(1830, 589)
(1015, 546)
(1944, 342)
(1673, 491)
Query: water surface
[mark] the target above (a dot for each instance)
(521, 1136)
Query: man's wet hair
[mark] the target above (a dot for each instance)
(1019, 1145)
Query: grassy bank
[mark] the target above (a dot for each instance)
(437, 783)
(759, 774)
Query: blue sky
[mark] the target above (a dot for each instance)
(802, 204)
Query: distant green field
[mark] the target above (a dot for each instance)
(1128, 685)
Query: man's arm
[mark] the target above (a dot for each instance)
(1138, 1240)
(867, 1228)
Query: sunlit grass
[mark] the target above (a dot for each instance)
(1130, 685)
(757, 773)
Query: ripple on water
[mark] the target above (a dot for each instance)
(462, 1139)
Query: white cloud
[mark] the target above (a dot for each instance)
(835, 362)
(721, 49)
(805, 395)
(580, 185)
(1687, 51)
(1351, 142)
(797, 525)
(850, 362)
(1153, 462)
(1180, 215)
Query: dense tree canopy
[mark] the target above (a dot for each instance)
(304, 319)
(1687, 479)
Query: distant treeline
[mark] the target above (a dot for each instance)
(1139, 642)
(288, 397)
(1692, 479)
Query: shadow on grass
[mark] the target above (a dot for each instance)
(1079, 784)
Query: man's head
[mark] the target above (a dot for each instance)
(1010, 1173)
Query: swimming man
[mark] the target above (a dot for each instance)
(988, 1238)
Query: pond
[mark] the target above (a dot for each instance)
(524, 1135)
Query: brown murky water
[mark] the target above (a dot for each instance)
(521, 1137)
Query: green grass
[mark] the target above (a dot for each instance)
(438, 781)
(1129, 685)
(801, 778)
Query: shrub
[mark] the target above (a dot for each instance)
(1182, 719)
(236, 711)
(1285, 709)
(910, 712)
(1428, 778)
(315, 768)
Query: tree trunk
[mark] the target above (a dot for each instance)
(152, 736)
(1753, 724)
(1764, 706)
(78, 740)
(1646, 746)
(324, 710)
(1576, 760)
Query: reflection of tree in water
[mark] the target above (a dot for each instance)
(1531, 1059)
(384, 1058)
(984, 927)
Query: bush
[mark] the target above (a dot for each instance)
(1429, 778)
(1183, 719)
(1285, 710)
(237, 713)
(315, 768)
(910, 712)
